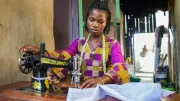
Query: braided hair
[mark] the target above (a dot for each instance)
(100, 5)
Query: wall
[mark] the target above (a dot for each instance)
(176, 22)
(113, 33)
(65, 22)
(61, 23)
(22, 22)
(122, 38)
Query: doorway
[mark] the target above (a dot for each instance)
(144, 52)
(144, 56)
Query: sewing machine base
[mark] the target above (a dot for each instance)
(14, 92)
(29, 89)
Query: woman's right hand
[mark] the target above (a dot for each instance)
(29, 48)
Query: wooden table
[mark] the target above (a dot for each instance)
(10, 93)
(174, 97)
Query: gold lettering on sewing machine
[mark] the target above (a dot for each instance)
(53, 62)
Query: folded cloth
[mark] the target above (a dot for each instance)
(126, 92)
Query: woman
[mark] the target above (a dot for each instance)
(101, 57)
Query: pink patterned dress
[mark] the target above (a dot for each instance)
(92, 62)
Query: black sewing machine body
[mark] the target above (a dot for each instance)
(39, 64)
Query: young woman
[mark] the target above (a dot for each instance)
(101, 58)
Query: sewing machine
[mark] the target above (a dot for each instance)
(39, 64)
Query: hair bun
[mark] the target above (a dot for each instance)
(102, 4)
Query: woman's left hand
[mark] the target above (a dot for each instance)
(90, 83)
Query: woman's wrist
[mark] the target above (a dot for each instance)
(105, 79)
(101, 80)
(46, 53)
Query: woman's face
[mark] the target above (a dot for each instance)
(96, 22)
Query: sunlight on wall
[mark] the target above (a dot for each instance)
(144, 63)
(162, 18)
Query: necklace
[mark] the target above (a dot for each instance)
(94, 47)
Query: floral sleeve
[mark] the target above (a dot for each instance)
(117, 69)
(56, 74)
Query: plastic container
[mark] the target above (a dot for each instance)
(160, 77)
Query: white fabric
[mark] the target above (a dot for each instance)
(126, 92)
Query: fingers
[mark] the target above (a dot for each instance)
(88, 84)
(54, 87)
(29, 48)
(84, 84)
(26, 48)
(22, 50)
(53, 77)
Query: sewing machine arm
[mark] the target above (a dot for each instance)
(29, 62)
